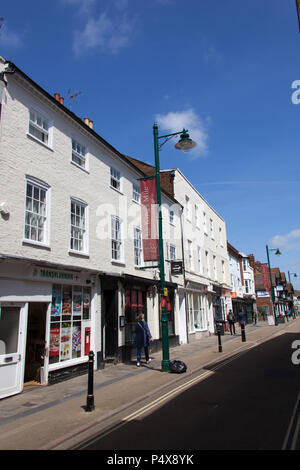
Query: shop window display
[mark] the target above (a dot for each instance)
(135, 303)
(70, 307)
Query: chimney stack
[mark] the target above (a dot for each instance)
(59, 98)
(88, 122)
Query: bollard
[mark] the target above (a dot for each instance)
(243, 332)
(90, 395)
(219, 339)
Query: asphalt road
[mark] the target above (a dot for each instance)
(247, 402)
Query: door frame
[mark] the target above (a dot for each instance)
(22, 334)
(114, 322)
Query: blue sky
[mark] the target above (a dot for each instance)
(224, 69)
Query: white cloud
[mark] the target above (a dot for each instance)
(10, 39)
(175, 121)
(288, 241)
(105, 34)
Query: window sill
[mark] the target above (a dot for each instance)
(79, 253)
(81, 167)
(119, 263)
(39, 142)
(36, 244)
(136, 202)
(69, 362)
(117, 190)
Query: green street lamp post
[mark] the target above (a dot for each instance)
(277, 252)
(185, 143)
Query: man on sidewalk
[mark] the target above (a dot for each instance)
(231, 321)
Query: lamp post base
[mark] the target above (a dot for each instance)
(165, 365)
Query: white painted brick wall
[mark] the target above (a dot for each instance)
(20, 155)
(199, 236)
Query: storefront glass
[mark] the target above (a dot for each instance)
(135, 303)
(70, 307)
(196, 320)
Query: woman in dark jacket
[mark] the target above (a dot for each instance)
(143, 339)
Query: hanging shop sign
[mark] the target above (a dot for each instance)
(266, 277)
(176, 268)
(149, 219)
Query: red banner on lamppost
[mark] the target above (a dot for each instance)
(266, 277)
(149, 219)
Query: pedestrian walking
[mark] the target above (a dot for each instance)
(143, 339)
(254, 318)
(231, 322)
(242, 318)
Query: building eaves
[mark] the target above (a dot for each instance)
(233, 250)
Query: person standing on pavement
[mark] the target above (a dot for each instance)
(231, 321)
(242, 318)
(143, 339)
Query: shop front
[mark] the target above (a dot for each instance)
(141, 295)
(197, 305)
(46, 324)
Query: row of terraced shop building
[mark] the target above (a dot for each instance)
(72, 273)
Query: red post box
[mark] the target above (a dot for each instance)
(87, 341)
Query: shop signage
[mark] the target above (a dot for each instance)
(262, 294)
(149, 219)
(55, 275)
(176, 267)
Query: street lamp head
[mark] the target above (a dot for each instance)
(185, 142)
(277, 252)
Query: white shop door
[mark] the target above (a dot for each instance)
(12, 335)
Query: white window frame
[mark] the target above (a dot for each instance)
(197, 221)
(215, 267)
(199, 259)
(40, 186)
(188, 208)
(211, 227)
(76, 220)
(115, 179)
(172, 252)
(40, 115)
(208, 273)
(82, 154)
(171, 216)
(223, 271)
(190, 254)
(205, 222)
(196, 314)
(136, 193)
(137, 246)
(117, 249)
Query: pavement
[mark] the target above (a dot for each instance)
(51, 417)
